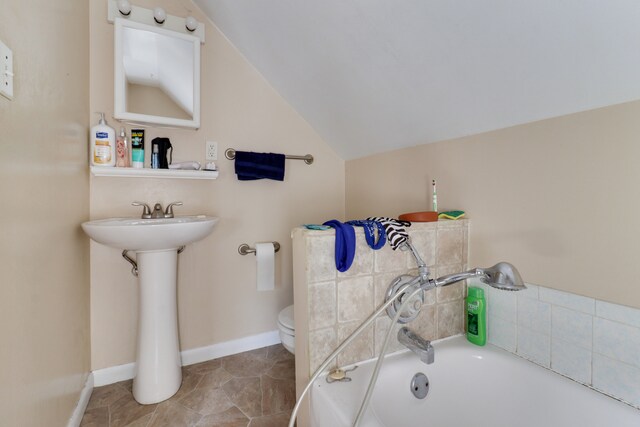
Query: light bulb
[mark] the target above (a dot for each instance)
(191, 23)
(159, 15)
(124, 7)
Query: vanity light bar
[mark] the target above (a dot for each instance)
(146, 16)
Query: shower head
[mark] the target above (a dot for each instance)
(502, 276)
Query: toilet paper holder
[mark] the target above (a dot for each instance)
(245, 249)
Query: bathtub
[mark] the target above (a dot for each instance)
(469, 386)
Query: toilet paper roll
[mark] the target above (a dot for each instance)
(265, 271)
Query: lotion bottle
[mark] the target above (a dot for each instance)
(476, 314)
(103, 144)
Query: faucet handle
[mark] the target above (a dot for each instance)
(168, 212)
(146, 210)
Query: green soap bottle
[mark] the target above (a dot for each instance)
(476, 313)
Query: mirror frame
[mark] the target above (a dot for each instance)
(120, 81)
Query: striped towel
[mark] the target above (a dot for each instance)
(396, 234)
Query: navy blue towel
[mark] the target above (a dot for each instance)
(251, 166)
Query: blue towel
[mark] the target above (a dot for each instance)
(345, 248)
(251, 166)
(371, 230)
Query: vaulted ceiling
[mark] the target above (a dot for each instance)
(376, 75)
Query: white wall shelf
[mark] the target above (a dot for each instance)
(153, 173)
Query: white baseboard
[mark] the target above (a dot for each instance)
(113, 374)
(83, 401)
(118, 373)
(202, 354)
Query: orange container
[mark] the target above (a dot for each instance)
(429, 216)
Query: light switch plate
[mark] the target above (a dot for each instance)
(6, 71)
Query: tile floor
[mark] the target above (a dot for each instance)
(251, 389)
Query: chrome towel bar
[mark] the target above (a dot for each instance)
(230, 154)
(245, 249)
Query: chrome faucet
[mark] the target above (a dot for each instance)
(168, 213)
(157, 210)
(417, 344)
(146, 210)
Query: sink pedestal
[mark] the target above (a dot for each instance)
(158, 365)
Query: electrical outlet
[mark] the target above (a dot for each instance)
(6, 71)
(212, 150)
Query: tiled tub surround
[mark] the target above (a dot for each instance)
(592, 342)
(329, 305)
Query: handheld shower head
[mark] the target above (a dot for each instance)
(502, 276)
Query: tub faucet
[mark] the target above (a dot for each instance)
(417, 344)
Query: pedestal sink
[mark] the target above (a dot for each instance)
(156, 243)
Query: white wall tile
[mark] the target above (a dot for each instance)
(534, 346)
(592, 342)
(502, 333)
(502, 304)
(619, 313)
(617, 379)
(534, 315)
(572, 326)
(571, 360)
(568, 300)
(530, 292)
(617, 341)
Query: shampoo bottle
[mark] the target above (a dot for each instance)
(122, 150)
(103, 144)
(476, 314)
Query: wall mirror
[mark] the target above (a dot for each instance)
(157, 75)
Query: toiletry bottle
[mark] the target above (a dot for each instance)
(476, 314)
(122, 150)
(103, 144)
(137, 148)
(155, 157)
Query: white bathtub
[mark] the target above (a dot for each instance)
(469, 386)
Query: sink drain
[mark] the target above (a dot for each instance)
(420, 385)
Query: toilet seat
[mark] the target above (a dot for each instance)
(286, 328)
(286, 318)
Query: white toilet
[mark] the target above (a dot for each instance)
(287, 329)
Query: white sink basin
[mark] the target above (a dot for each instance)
(137, 234)
(155, 241)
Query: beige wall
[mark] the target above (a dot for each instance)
(217, 294)
(558, 198)
(44, 292)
